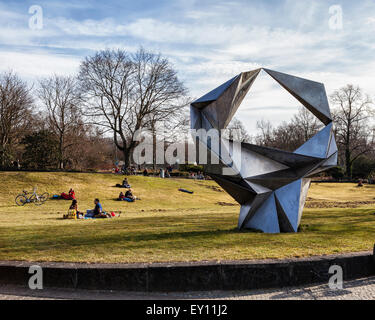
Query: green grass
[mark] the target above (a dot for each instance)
(167, 225)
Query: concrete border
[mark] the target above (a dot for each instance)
(194, 276)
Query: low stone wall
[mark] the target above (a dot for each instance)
(168, 277)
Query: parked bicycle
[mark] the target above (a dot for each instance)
(31, 197)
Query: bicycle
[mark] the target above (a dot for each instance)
(26, 197)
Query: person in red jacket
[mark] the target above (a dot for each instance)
(70, 196)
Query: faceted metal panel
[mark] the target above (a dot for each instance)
(317, 146)
(195, 118)
(213, 95)
(239, 193)
(258, 188)
(270, 184)
(247, 80)
(305, 185)
(216, 164)
(310, 93)
(218, 111)
(331, 161)
(289, 159)
(288, 197)
(254, 164)
(206, 124)
(332, 147)
(284, 223)
(256, 203)
(265, 218)
(244, 212)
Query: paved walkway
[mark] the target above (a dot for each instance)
(357, 289)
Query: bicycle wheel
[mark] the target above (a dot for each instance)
(21, 200)
(37, 200)
(44, 197)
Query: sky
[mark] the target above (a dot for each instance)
(208, 42)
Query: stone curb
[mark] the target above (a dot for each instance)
(191, 276)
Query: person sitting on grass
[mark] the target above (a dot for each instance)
(121, 196)
(74, 206)
(97, 212)
(125, 183)
(129, 196)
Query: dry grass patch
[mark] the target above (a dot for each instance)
(168, 225)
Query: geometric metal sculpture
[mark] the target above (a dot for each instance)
(271, 185)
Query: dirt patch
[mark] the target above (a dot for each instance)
(214, 188)
(154, 210)
(335, 204)
(226, 204)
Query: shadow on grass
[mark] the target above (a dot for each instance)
(163, 233)
(10, 206)
(51, 237)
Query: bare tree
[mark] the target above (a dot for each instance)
(306, 124)
(288, 136)
(264, 138)
(60, 96)
(236, 131)
(351, 116)
(126, 93)
(95, 151)
(169, 124)
(15, 112)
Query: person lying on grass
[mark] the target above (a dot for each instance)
(68, 196)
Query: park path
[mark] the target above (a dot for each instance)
(363, 289)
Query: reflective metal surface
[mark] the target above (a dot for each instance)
(270, 184)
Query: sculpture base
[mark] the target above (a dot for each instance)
(277, 211)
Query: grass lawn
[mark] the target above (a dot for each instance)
(168, 225)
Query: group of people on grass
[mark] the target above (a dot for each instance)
(197, 176)
(125, 170)
(128, 195)
(97, 212)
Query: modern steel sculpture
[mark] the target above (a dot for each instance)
(271, 185)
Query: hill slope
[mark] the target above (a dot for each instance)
(167, 225)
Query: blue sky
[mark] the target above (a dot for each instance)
(207, 41)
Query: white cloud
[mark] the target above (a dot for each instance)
(89, 27)
(208, 43)
(32, 65)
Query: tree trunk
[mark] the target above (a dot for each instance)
(153, 147)
(348, 164)
(61, 160)
(126, 158)
(2, 157)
